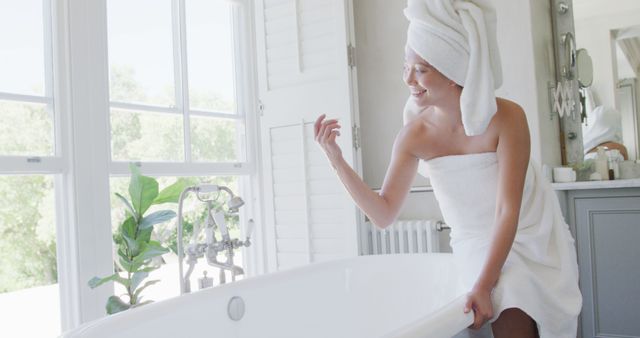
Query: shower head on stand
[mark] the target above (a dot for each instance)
(235, 203)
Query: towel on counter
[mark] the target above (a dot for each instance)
(458, 37)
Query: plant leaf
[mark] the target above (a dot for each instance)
(97, 281)
(150, 268)
(144, 236)
(115, 305)
(123, 281)
(155, 218)
(143, 190)
(132, 245)
(171, 194)
(122, 254)
(137, 278)
(130, 266)
(129, 228)
(129, 209)
(146, 284)
(150, 250)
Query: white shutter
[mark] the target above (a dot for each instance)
(304, 72)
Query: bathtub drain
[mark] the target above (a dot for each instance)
(235, 308)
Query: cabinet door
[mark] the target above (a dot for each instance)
(608, 238)
(304, 71)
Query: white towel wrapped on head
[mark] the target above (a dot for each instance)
(603, 125)
(458, 38)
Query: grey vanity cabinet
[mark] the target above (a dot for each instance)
(606, 224)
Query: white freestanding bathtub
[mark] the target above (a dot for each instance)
(405, 295)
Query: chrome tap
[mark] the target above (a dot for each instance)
(215, 219)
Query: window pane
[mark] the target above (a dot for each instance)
(22, 47)
(141, 52)
(165, 233)
(26, 129)
(137, 136)
(217, 140)
(210, 55)
(28, 269)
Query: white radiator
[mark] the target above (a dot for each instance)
(408, 236)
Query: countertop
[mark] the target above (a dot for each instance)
(582, 185)
(631, 183)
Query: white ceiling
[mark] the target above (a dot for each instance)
(590, 8)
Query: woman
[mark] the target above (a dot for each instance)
(512, 248)
(603, 128)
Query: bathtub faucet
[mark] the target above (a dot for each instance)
(215, 219)
(226, 244)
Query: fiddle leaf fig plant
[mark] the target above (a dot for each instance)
(137, 252)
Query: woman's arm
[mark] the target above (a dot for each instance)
(513, 158)
(613, 145)
(381, 208)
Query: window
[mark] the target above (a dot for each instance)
(30, 174)
(172, 81)
(177, 105)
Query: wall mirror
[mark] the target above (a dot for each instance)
(610, 32)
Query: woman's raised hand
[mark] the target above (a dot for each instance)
(325, 133)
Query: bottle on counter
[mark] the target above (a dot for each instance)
(615, 158)
(602, 165)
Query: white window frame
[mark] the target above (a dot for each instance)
(56, 99)
(82, 162)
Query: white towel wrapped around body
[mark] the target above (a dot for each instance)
(540, 275)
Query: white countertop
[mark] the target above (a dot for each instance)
(632, 183)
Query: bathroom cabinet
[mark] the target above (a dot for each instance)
(606, 226)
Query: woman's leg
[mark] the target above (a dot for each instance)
(514, 322)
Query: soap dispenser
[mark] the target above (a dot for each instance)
(602, 165)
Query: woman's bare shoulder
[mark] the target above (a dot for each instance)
(413, 137)
(510, 114)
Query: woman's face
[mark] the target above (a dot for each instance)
(427, 85)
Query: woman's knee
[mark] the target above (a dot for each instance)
(514, 322)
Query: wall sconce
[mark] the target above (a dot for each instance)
(563, 99)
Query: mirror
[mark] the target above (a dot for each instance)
(584, 68)
(610, 32)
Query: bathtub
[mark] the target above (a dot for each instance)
(405, 295)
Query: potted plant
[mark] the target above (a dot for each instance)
(137, 252)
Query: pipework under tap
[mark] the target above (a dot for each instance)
(214, 220)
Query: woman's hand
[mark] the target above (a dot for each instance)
(325, 133)
(479, 300)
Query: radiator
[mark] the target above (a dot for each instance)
(408, 236)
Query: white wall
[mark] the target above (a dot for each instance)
(526, 47)
(525, 38)
(380, 29)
